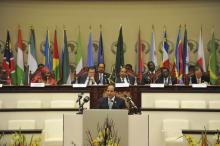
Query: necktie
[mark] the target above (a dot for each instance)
(101, 78)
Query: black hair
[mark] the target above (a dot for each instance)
(128, 66)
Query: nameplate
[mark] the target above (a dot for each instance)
(79, 85)
(121, 84)
(1, 85)
(37, 84)
(157, 85)
(203, 85)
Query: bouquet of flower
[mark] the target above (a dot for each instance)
(217, 143)
(191, 141)
(19, 139)
(107, 136)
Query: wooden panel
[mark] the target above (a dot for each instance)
(97, 91)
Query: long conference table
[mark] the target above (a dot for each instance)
(97, 91)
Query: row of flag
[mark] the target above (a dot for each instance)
(59, 66)
(181, 62)
(180, 67)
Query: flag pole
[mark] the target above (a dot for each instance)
(180, 27)
(100, 26)
(213, 29)
(164, 28)
(19, 27)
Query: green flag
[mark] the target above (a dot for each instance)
(79, 60)
(213, 62)
(119, 53)
(66, 68)
(20, 61)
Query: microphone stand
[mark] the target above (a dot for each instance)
(132, 107)
(81, 108)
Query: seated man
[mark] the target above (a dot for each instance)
(101, 75)
(124, 77)
(188, 77)
(199, 77)
(110, 101)
(88, 78)
(150, 76)
(165, 77)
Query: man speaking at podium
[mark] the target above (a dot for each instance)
(111, 101)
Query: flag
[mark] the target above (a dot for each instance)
(153, 57)
(62, 62)
(20, 74)
(46, 51)
(90, 61)
(119, 53)
(66, 69)
(56, 61)
(165, 50)
(79, 59)
(213, 62)
(8, 61)
(179, 58)
(32, 59)
(201, 56)
(50, 62)
(140, 57)
(185, 54)
(101, 50)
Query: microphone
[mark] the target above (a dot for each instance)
(85, 100)
(130, 101)
(80, 95)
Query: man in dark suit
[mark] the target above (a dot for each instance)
(199, 77)
(165, 77)
(101, 76)
(88, 78)
(111, 101)
(150, 76)
(124, 77)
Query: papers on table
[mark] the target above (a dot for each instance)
(79, 85)
(157, 85)
(37, 84)
(121, 84)
(202, 85)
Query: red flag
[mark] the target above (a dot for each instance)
(140, 58)
(8, 60)
(165, 49)
(56, 60)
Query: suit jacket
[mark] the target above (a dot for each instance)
(130, 80)
(105, 78)
(82, 79)
(148, 78)
(203, 79)
(117, 104)
(171, 80)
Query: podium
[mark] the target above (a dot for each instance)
(130, 129)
